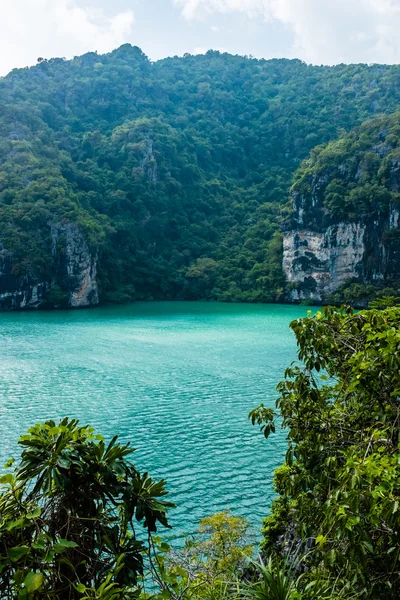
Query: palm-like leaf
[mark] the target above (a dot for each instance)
(273, 584)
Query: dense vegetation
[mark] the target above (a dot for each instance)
(69, 511)
(355, 179)
(69, 514)
(357, 175)
(176, 170)
(338, 510)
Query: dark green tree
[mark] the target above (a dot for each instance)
(69, 516)
(338, 509)
(164, 164)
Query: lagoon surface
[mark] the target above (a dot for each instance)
(177, 379)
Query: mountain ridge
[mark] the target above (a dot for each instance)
(176, 173)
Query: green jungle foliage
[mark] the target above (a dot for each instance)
(209, 565)
(337, 516)
(355, 178)
(357, 175)
(362, 295)
(177, 170)
(69, 514)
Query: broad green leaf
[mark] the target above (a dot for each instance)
(19, 576)
(7, 479)
(34, 514)
(63, 545)
(33, 581)
(14, 554)
(40, 544)
(67, 543)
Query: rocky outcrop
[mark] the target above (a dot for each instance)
(316, 263)
(75, 265)
(74, 274)
(345, 224)
(320, 262)
(149, 163)
(18, 292)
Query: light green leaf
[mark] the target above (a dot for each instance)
(34, 514)
(33, 581)
(7, 479)
(63, 545)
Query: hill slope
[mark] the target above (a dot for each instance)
(126, 179)
(344, 234)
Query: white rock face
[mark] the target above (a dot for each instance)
(322, 250)
(394, 219)
(28, 297)
(18, 292)
(322, 261)
(78, 262)
(75, 266)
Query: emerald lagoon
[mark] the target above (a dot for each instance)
(177, 379)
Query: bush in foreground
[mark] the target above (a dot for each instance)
(69, 513)
(338, 510)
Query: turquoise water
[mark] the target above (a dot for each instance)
(177, 379)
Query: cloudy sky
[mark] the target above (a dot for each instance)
(317, 31)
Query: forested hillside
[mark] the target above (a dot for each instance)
(342, 241)
(175, 172)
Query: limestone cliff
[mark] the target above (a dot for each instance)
(18, 292)
(345, 221)
(76, 264)
(74, 275)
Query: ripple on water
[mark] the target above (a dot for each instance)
(176, 379)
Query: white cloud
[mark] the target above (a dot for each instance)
(324, 31)
(48, 28)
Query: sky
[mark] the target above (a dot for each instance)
(316, 31)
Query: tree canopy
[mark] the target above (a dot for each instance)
(357, 175)
(69, 517)
(338, 491)
(175, 170)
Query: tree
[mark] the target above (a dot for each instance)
(209, 564)
(339, 489)
(68, 517)
(162, 165)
